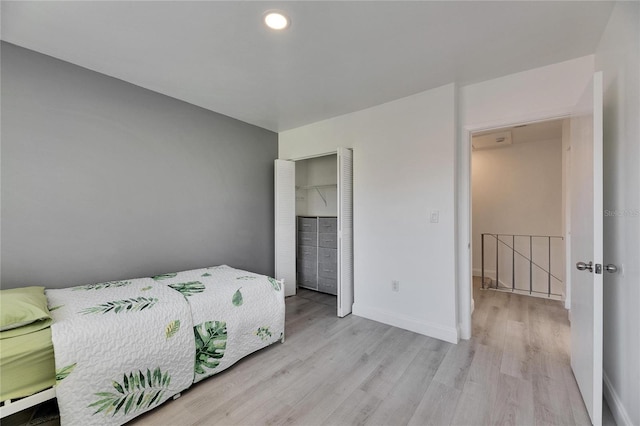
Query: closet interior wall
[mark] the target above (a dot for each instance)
(316, 211)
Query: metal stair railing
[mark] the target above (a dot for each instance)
(513, 259)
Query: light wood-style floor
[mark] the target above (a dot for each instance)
(332, 371)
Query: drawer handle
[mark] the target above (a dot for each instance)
(327, 255)
(327, 270)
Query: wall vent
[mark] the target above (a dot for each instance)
(492, 140)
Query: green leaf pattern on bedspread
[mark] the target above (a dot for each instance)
(136, 391)
(62, 373)
(263, 333)
(275, 284)
(237, 298)
(188, 289)
(211, 342)
(172, 328)
(165, 276)
(127, 305)
(100, 286)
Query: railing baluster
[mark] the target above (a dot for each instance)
(530, 264)
(549, 271)
(482, 251)
(513, 263)
(497, 256)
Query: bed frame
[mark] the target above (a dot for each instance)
(10, 407)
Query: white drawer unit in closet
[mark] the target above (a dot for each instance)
(317, 266)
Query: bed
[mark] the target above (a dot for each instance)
(122, 348)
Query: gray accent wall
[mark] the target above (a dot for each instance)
(103, 180)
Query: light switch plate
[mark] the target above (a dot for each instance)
(435, 216)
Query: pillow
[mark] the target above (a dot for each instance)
(22, 306)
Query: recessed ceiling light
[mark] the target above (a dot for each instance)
(276, 20)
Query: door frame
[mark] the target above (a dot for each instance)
(326, 154)
(464, 250)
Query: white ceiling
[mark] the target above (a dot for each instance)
(337, 57)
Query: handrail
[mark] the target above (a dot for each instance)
(530, 259)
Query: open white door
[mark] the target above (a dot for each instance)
(285, 224)
(586, 247)
(345, 231)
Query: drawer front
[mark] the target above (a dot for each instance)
(328, 270)
(307, 279)
(328, 225)
(328, 240)
(311, 266)
(307, 239)
(307, 253)
(307, 224)
(328, 285)
(327, 255)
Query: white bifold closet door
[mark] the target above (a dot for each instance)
(285, 224)
(345, 231)
(285, 228)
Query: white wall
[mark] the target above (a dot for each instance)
(403, 168)
(618, 57)
(321, 171)
(517, 190)
(534, 95)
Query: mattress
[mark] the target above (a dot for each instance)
(27, 365)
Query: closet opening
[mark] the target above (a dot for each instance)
(317, 224)
(314, 227)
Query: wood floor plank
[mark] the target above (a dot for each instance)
(455, 367)
(513, 404)
(517, 355)
(437, 406)
(356, 409)
(404, 398)
(335, 387)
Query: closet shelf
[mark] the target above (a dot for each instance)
(329, 185)
(317, 188)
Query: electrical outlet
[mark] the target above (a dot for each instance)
(395, 285)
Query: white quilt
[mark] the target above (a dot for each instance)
(124, 347)
(234, 312)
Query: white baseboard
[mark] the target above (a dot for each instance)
(448, 334)
(615, 404)
(489, 273)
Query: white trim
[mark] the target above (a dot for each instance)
(615, 403)
(437, 331)
(12, 407)
(308, 157)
